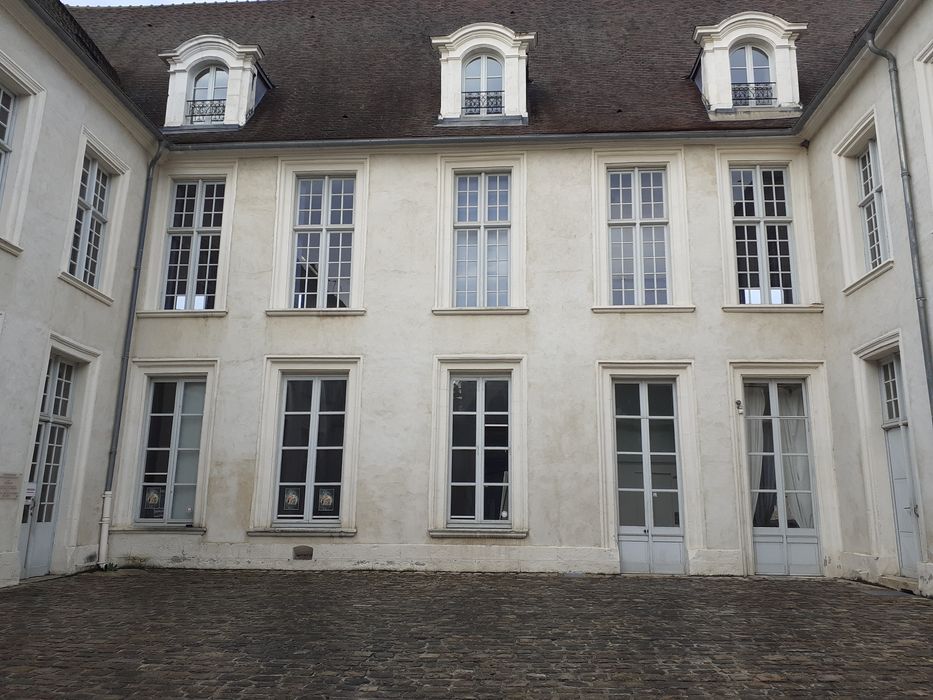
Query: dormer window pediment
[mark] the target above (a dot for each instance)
(483, 75)
(213, 82)
(748, 67)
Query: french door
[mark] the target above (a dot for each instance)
(43, 490)
(651, 534)
(784, 524)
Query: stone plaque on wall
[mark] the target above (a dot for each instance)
(9, 487)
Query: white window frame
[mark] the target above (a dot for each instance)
(128, 480)
(678, 249)
(805, 280)
(449, 167)
(212, 67)
(155, 268)
(283, 272)
(277, 368)
(749, 48)
(856, 267)
(483, 110)
(23, 143)
(85, 256)
(9, 126)
(446, 369)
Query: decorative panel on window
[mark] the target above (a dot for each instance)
(481, 240)
(90, 225)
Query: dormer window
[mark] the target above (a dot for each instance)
(748, 67)
(208, 101)
(483, 75)
(213, 83)
(752, 86)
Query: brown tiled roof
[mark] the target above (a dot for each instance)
(65, 21)
(357, 69)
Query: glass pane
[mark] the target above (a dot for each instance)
(326, 501)
(291, 501)
(189, 435)
(799, 510)
(496, 466)
(630, 471)
(330, 431)
(193, 399)
(661, 435)
(329, 466)
(797, 474)
(296, 431)
(163, 397)
(464, 395)
(463, 466)
(462, 501)
(757, 400)
(761, 472)
(794, 435)
(790, 400)
(464, 432)
(764, 510)
(294, 466)
(183, 503)
(160, 431)
(627, 401)
(663, 472)
(496, 503)
(632, 508)
(497, 396)
(298, 393)
(628, 434)
(760, 433)
(186, 467)
(665, 508)
(497, 436)
(333, 394)
(156, 463)
(661, 399)
(153, 502)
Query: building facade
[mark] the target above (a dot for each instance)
(555, 300)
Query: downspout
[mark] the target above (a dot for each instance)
(107, 506)
(909, 213)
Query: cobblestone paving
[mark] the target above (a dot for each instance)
(377, 634)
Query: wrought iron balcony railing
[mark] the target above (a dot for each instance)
(489, 102)
(753, 94)
(205, 111)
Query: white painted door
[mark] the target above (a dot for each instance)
(906, 511)
(651, 535)
(43, 491)
(784, 524)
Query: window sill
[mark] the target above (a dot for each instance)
(868, 277)
(86, 288)
(478, 533)
(657, 309)
(303, 532)
(749, 113)
(159, 529)
(315, 312)
(170, 313)
(10, 247)
(773, 308)
(483, 311)
(489, 120)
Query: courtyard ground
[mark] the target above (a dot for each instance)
(172, 634)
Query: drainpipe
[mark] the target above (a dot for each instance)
(107, 506)
(909, 212)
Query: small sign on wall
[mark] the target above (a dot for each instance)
(9, 486)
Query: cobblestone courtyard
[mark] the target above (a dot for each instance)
(331, 634)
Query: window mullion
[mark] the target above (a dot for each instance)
(480, 449)
(311, 476)
(761, 235)
(173, 450)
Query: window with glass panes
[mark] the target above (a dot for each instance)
(90, 222)
(323, 242)
(761, 217)
(481, 239)
(193, 246)
(638, 237)
(7, 103)
(48, 452)
(310, 468)
(172, 450)
(871, 207)
(479, 450)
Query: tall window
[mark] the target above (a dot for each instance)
(482, 86)
(871, 207)
(48, 452)
(751, 77)
(762, 223)
(310, 469)
(194, 245)
(7, 103)
(481, 240)
(323, 242)
(173, 449)
(90, 222)
(638, 237)
(208, 96)
(479, 450)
